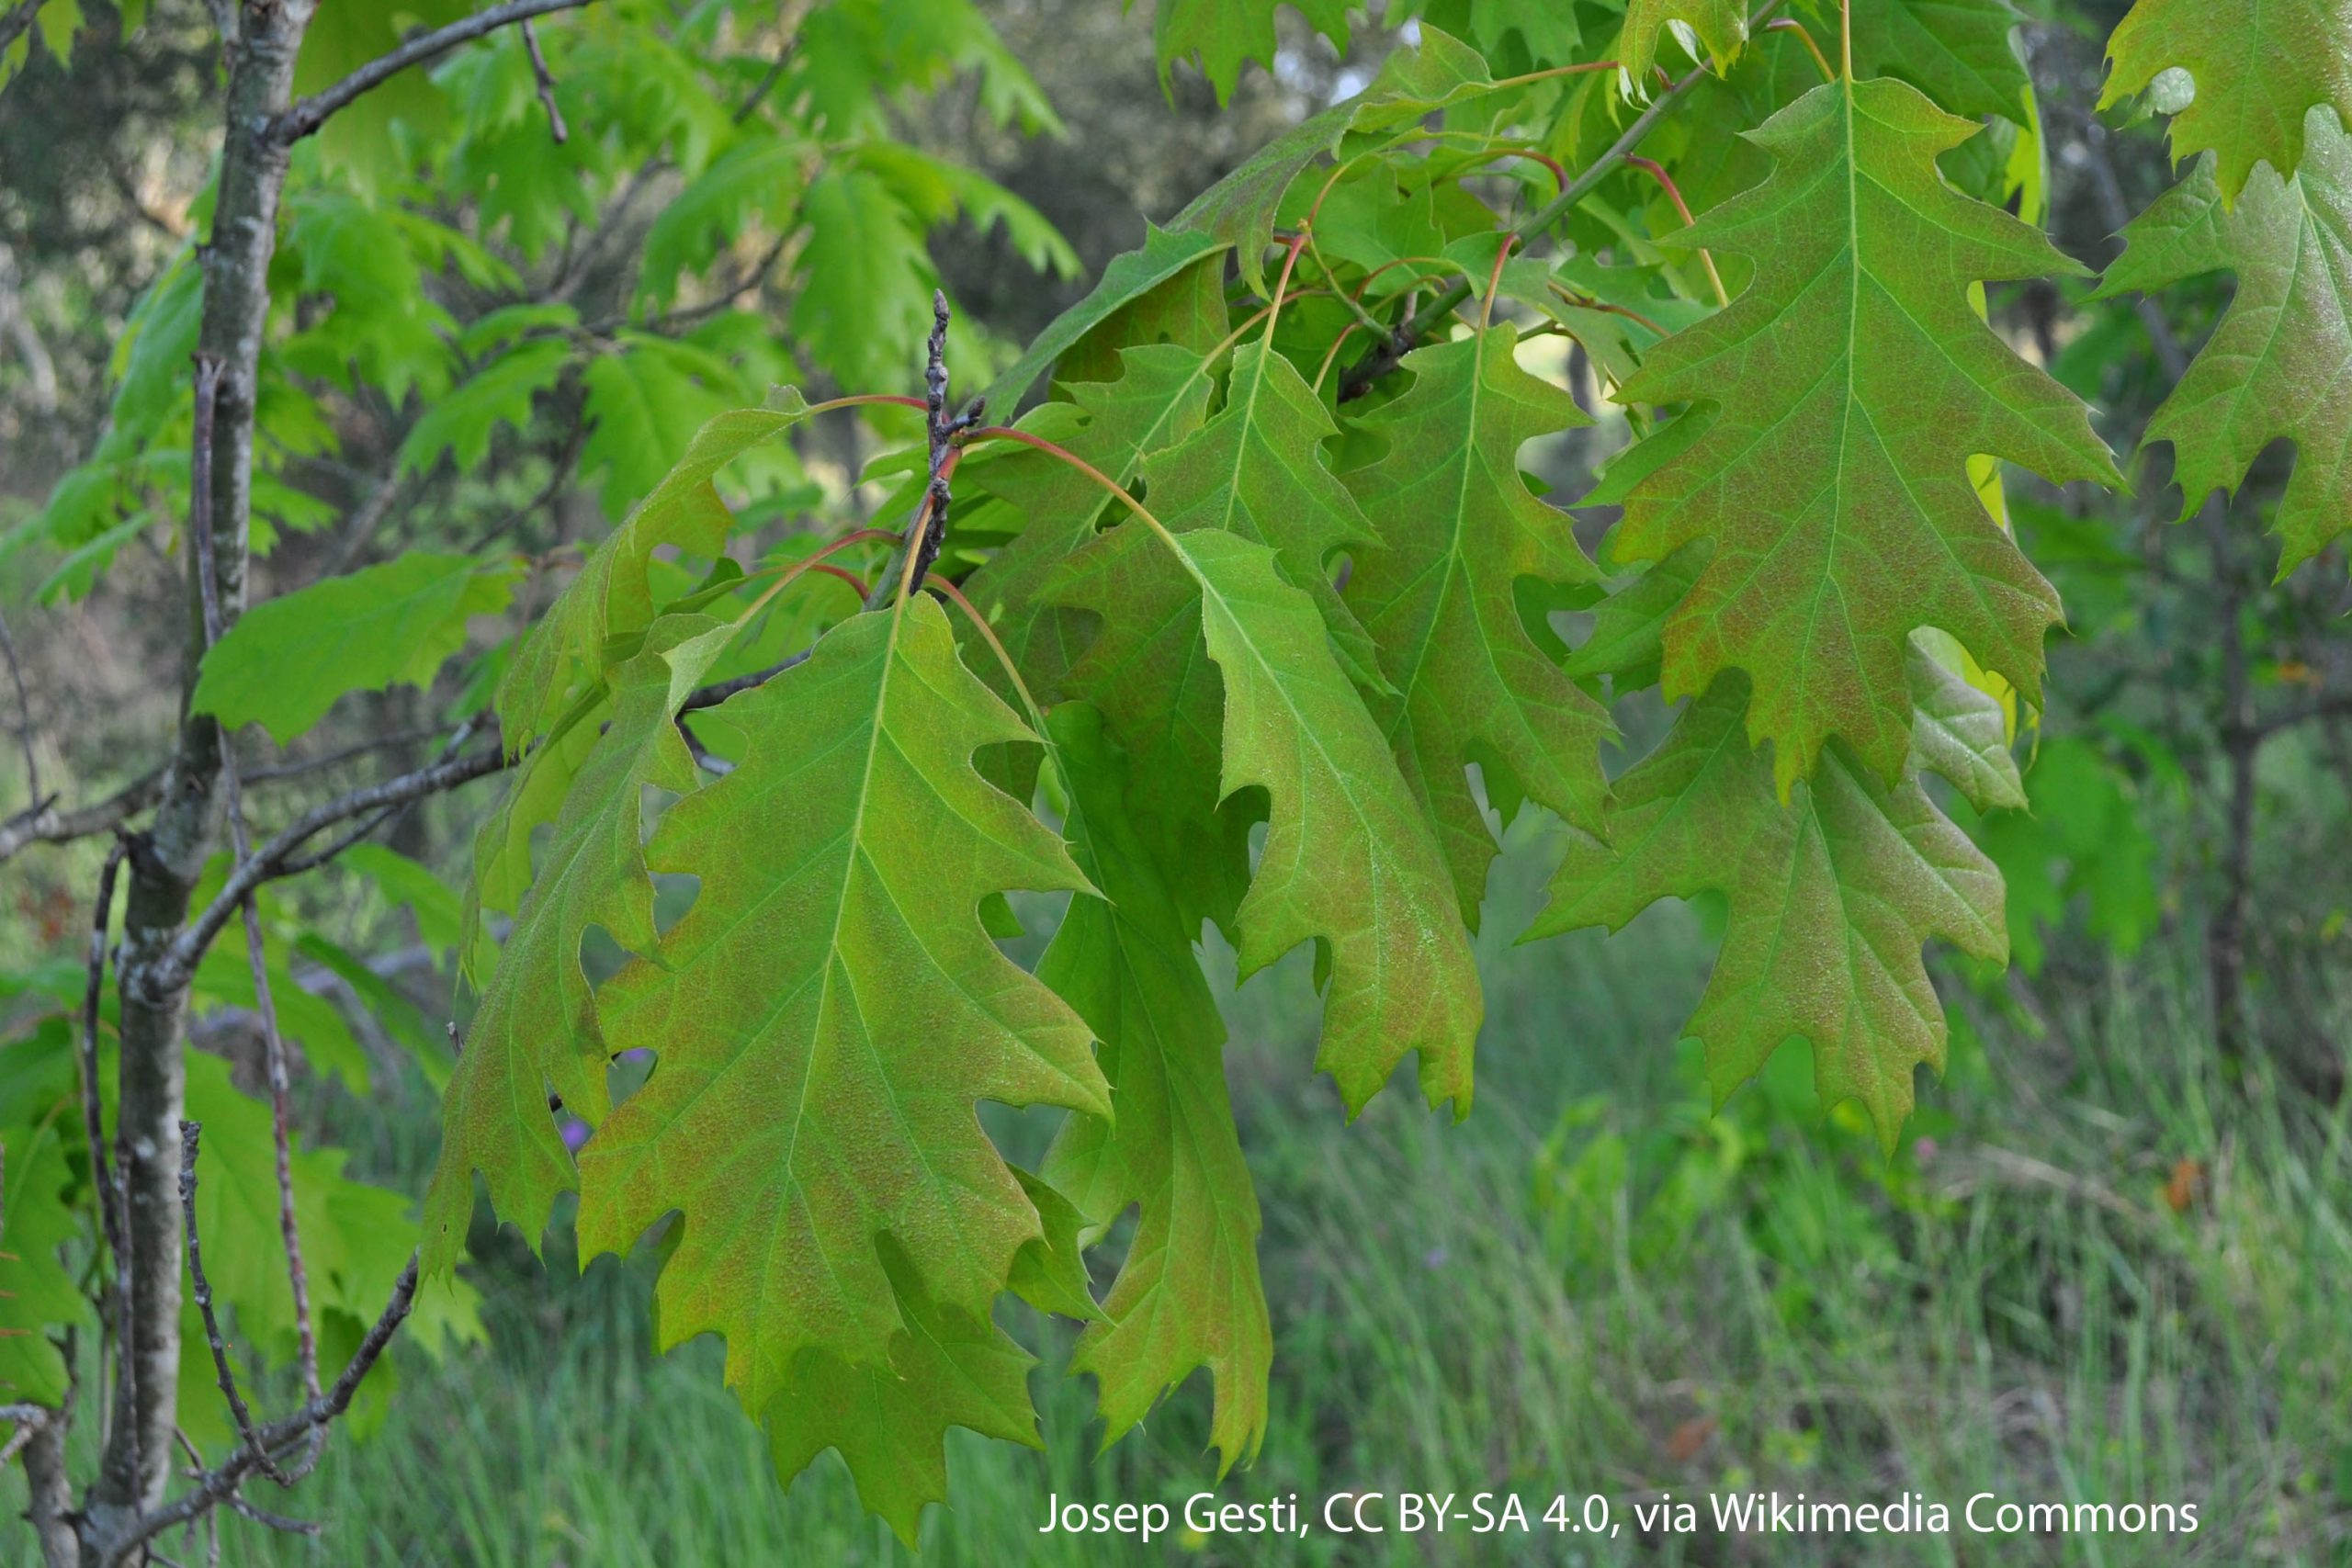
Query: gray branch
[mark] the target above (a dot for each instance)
(304, 117)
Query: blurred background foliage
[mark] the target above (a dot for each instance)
(2110, 1261)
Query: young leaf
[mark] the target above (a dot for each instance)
(1240, 207)
(1720, 25)
(1831, 896)
(1188, 1294)
(1462, 530)
(2259, 66)
(1226, 34)
(36, 1294)
(1957, 51)
(610, 597)
(1257, 470)
(537, 1027)
(1840, 398)
(287, 660)
(1349, 859)
(2276, 365)
(947, 1367)
(828, 1014)
(1126, 279)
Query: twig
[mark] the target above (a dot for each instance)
(217, 1485)
(301, 766)
(556, 128)
(44, 824)
(28, 1419)
(1386, 356)
(305, 118)
(237, 1504)
(267, 863)
(190, 1132)
(718, 692)
(14, 21)
(24, 716)
(758, 96)
(298, 1276)
(927, 529)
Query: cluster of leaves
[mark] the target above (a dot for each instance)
(438, 244)
(1267, 628)
(1211, 593)
(431, 318)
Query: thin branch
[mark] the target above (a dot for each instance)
(305, 118)
(267, 1520)
(546, 78)
(758, 96)
(45, 824)
(298, 1276)
(24, 715)
(190, 1132)
(1385, 357)
(718, 692)
(14, 21)
(268, 862)
(216, 1485)
(301, 766)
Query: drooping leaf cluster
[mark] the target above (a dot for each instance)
(1268, 656)
(1273, 627)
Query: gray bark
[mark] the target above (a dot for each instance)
(50, 1494)
(136, 1464)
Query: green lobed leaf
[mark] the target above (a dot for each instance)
(1720, 25)
(2280, 362)
(1959, 52)
(947, 1367)
(37, 1295)
(1225, 34)
(1240, 209)
(501, 391)
(1838, 401)
(828, 1014)
(288, 659)
(647, 404)
(1126, 279)
(1831, 896)
(611, 598)
(1349, 858)
(2259, 66)
(1461, 531)
(536, 1028)
(1188, 1294)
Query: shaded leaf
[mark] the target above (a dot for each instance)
(1461, 531)
(536, 1029)
(2259, 67)
(1188, 1294)
(2279, 365)
(288, 659)
(1831, 896)
(1839, 398)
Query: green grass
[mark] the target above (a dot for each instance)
(1590, 1286)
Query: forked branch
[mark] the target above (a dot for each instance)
(305, 117)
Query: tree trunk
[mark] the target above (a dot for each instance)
(168, 859)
